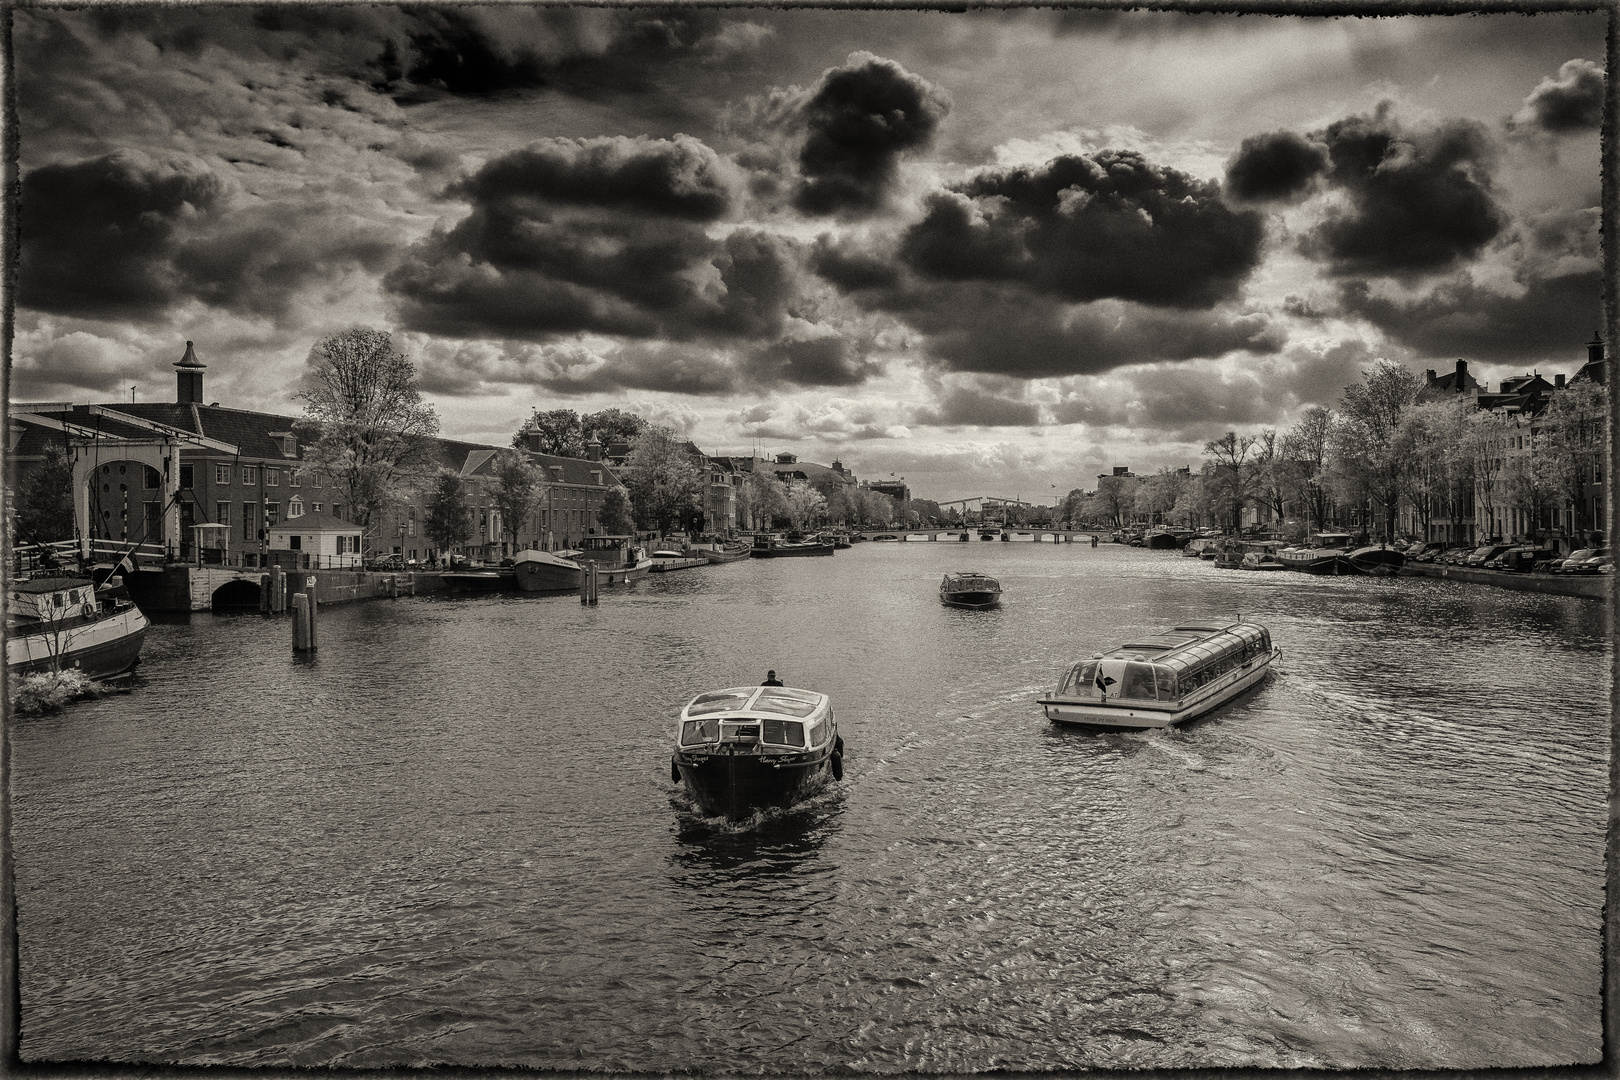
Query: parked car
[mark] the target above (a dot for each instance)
(1564, 565)
(1520, 560)
(1590, 561)
(1486, 552)
(1425, 552)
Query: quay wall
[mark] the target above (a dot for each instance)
(193, 588)
(1595, 586)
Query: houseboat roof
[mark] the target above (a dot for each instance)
(50, 584)
(784, 701)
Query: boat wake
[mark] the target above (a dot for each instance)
(803, 812)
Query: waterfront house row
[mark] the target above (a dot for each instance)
(150, 472)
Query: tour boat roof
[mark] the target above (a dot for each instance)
(1161, 645)
(785, 701)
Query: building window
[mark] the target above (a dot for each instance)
(292, 477)
(272, 478)
(250, 474)
(222, 513)
(272, 513)
(295, 542)
(250, 513)
(314, 508)
(188, 475)
(295, 508)
(222, 474)
(337, 511)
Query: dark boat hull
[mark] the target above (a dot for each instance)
(787, 551)
(98, 661)
(480, 581)
(738, 786)
(970, 599)
(1375, 560)
(545, 577)
(1319, 561)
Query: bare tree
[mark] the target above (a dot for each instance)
(1233, 472)
(1305, 448)
(1373, 409)
(367, 428)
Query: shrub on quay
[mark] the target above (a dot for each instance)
(47, 691)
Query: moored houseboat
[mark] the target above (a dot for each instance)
(968, 589)
(663, 560)
(66, 623)
(750, 748)
(544, 571)
(1261, 560)
(1163, 679)
(480, 579)
(769, 546)
(1319, 555)
(1377, 559)
(618, 559)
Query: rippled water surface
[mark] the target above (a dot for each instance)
(453, 837)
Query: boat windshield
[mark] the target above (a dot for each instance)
(721, 701)
(1081, 680)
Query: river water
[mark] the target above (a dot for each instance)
(452, 837)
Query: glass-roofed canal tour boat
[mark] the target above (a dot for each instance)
(1163, 679)
(967, 589)
(752, 748)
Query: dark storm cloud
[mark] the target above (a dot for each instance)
(862, 117)
(99, 237)
(676, 178)
(1420, 201)
(1571, 102)
(965, 407)
(824, 361)
(851, 268)
(1107, 225)
(672, 368)
(1277, 166)
(1548, 321)
(1006, 331)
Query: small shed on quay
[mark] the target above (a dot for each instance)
(313, 541)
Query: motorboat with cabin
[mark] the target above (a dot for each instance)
(1163, 679)
(1319, 555)
(68, 623)
(771, 546)
(618, 559)
(751, 748)
(665, 559)
(968, 589)
(544, 571)
(1261, 560)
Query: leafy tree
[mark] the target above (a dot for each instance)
(517, 489)
(1305, 449)
(1372, 410)
(838, 504)
(365, 425)
(613, 426)
(1114, 499)
(664, 478)
(1575, 430)
(614, 514)
(445, 519)
(804, 504)
(761, 499)
(1233, 471)
(44, 506)
(560, 431)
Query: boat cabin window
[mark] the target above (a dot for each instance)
(722, 701)
(782, 732)
(1081, 680)
(778, 699)
(1139, 682)
(699, 731)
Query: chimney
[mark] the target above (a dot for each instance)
(593, 448)
(188, 372)
(1429, 374)
(1462, 375)
(531, 439)
(1594, 349)
(1558, 381)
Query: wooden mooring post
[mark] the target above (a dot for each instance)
(278, 590)
(303, 625)
(587, 582)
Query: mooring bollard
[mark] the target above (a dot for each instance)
(278, 590)
(303, 635)
(314, 608)
(264, 595)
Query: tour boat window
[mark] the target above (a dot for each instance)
(786, 732)
(1139, 682)
(723, 701)
(789, 703)
(1167, 683)
(1082, 679)
(699, 731)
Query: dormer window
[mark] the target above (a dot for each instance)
(287, 442)
(556, 474)
(596, 477)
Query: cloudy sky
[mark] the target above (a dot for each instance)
(995, 252)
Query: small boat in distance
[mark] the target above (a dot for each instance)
(769, 546)
(664, 560)
(1319, 555)
(1163, 679)
(67, 623)
(544, 571)
(749, 748)
(1378, 559)
(1261, 560)
(969, 590)
(729, 553)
